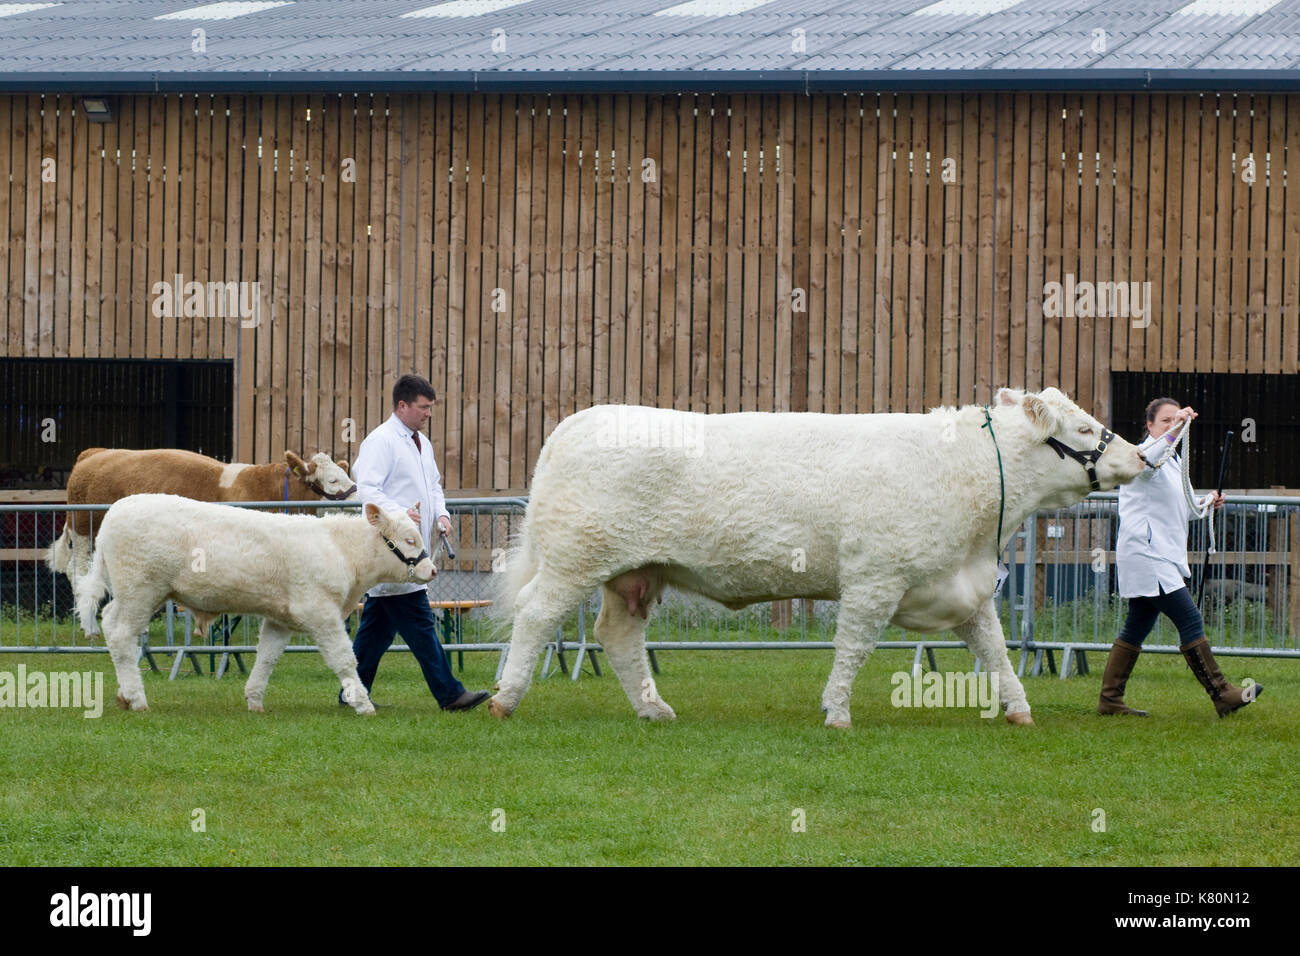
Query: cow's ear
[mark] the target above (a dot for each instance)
(1054, 394)
(342, 464)
(1042, 416)
(373, 514)
(1010, 396)
(297, 464)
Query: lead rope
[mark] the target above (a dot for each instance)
(1002, 483)
(1200, 509)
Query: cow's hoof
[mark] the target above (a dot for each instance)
(123, 702)
(1022, 718)
(658, 711)
(256, 707)
(841, 724)
(366, 711)
(139, 705)
(497, 709)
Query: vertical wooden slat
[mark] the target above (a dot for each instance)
(1189, 306)
(568, 323)
(346, 319)
(202, 195)
(1019, 165)
(1053, 240)
(1072, 330)
(602, 339)
(730, 291)
(1126, 164)
(377, 402)
(892, 132)
(11, 342)
(586, 317)
(497, 115)
(1254, 344)
(164, 229)
(521, 464)
(557, 219)
(812, 152)
(1079, 358)
(943, 388)
(1176, 214)
(512, 384)
(918, 223)
(801, 254)
(769, 308)
(77, 143)
(183, 192)
(317, 344)
(831, 237)
(698, 363)
(1106, 242)
(439, 357)
(1290, 339)
(680, 338)
(624, 333)
(1273, 291)
(48, 184)
(239, 341)
(850, 312)
(972, 338)
(785, 276)
(1200, 350)
(1241, 197)
(97, 226)
(867, 253)
(494, 463)
(326, 179)
(638, 227)
(928, 387)
(715, 321)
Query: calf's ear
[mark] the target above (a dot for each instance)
(1042, 416)
(297, 464)
(372, 512)
(342, 464)
(1010, 396)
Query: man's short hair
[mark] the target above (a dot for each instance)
(410, 387)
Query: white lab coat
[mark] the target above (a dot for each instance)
(1151, 550)
(392, 474)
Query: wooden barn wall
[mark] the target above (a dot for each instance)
(533, 255)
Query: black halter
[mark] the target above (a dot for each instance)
(1087, 459)
(409, 562)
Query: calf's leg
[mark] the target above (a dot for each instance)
(335, 647)
(123, 623)
(983, 635)
(271, 642)
(621, 634)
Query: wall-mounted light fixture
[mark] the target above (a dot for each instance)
(97, 109)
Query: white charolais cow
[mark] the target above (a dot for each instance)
(894, 515)
(298, 572)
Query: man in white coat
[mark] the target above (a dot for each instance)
(1151, 562)
(395, 470)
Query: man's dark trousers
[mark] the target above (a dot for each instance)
(410, 616)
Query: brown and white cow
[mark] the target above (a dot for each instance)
(106, 475)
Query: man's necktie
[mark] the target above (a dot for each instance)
(416, 436)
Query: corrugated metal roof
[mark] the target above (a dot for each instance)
(93, 45)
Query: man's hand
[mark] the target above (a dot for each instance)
(1218, 499)
(444, 525)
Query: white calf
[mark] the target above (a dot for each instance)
(298, 572)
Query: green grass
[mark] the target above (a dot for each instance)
(582, 781)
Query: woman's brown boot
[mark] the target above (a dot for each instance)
(1118, 668)
(1226, 697)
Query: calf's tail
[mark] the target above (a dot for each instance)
(93, 588)
(60, 557)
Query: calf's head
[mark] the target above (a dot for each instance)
(327, 478)
(1084, 455)
(400, 538)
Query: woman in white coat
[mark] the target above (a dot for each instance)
(1151, 560)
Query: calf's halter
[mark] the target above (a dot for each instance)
(409, 562)
(1087, 459)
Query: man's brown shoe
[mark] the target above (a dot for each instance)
(469, 700)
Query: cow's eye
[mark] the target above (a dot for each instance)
(1085, 430)
(410, 541)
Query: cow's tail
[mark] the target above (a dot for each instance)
(92, 590)
(512, 571)
(60, 557)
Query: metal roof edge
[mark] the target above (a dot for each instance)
(655, 81)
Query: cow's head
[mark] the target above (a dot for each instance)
(327, 478)
(400, 537)
(1070, 439)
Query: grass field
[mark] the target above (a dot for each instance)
(575, 778)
